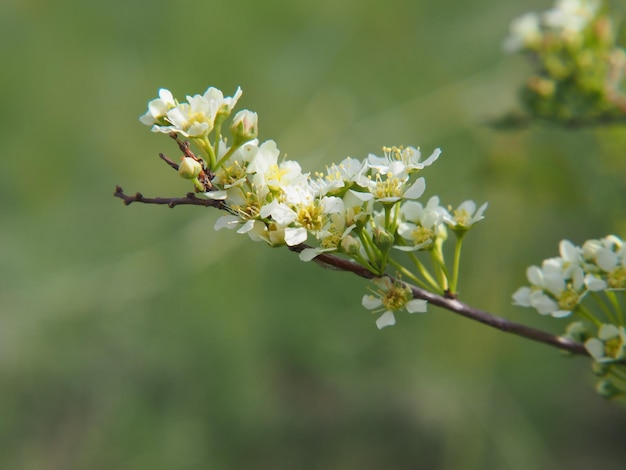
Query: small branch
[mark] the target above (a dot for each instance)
(184, 146)
(341, 264)
(455, 306)
(190, 200)
(169, 162)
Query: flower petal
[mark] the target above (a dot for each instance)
(386, 319)
(416, 305)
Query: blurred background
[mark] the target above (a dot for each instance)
(139, 338)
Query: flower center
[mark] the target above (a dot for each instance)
(568, 299)
(613, 347)
(310, 217)
(396, 297)
(389, 187)
(617, 278)
(422, 234)
(462, 217)
(231, 174)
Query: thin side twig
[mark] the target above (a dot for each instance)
(189, 199)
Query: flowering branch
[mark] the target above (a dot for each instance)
(366, 217)
(341, 264)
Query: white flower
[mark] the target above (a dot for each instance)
(607, 260)
(524, 31)
(234, 171)
(196, 118)
(343, 175)
(390, 297)
(158, 108)
(244, 127)
(333, 231)
(556, 288)
(218, 103)
(571, 16)
(191, 119)
(466, 215)
(609, 346)
(399, 159)
(268, 172)
(421, 225)
(570, 253)
(392, 186)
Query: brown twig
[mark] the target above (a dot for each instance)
(341, 264)
(455, 306)
(189, 199)
(168, 161)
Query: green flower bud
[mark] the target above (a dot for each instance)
(383, 239)
(608, 389)
(189, 168)
(350, 245)
(245, 127)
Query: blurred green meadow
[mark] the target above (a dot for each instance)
(139, 338)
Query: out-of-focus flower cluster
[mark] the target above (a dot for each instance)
(589, 282)
(579, 73)
(367, 210)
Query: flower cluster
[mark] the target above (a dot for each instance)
(367, 210)
(579, 72)
(560, 287)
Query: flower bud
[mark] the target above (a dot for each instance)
(541, 86)
(350, 245)
(189, 168)
(245, 127)
(382, 239)
(608, 389)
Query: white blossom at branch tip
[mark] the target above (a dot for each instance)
(609, 345)
(562, 283)
(158, 108)
(465, 215)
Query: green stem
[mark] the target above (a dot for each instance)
(365, 263)
(198, 185)
(456, 262)
(437, 256)
(618, 372)
(425, 273)
(226, 156)
(370, 249)
(619, 314)
(404, 271)
(604, 307)
(205, 146)
(217, 127)
(587, 315)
